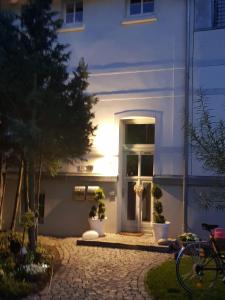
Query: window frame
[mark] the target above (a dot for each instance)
(74, 23)
(217, 15)
(142, 14)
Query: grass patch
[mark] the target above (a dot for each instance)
(161, 283)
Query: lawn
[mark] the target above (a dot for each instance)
(162, 284)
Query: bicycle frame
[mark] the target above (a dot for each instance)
(207, 261)
(220, 257)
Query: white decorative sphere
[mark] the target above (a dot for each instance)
(90, 235)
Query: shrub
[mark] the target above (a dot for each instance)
(42, 256)
(9, 264)
(158, 207)
(98, 210)
(15, 246)
(11, 288)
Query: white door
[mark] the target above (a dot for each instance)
(137, 205)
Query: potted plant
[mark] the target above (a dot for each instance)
(97, 213)
(187, 237)
(160, 225)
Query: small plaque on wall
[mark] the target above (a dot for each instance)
(79, 193)
(85, 169)
(90, 195)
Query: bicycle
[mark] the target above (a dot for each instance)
(199, 263)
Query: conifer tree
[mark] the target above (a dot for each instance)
(49, 114)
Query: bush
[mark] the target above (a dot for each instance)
(9, 264)
(15, 246)
(11, 288)
(98, 210)
(158, 207)
(21, 274)
(42, 256)
(4, 242)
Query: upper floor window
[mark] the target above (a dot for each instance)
(209, 14)
(139, 7)
(219, 13)
(74, 11)
(139, 133)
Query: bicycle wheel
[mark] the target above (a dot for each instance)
(196, 267)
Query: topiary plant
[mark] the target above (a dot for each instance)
(158, 207)
(98, 210)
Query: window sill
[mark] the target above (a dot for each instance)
(72, 28)
(139, 20)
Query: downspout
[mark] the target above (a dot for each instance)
(186, 118)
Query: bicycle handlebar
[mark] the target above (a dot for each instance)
(208, 227)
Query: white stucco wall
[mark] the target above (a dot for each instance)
(135, 67)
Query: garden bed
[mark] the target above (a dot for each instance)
(22, 272)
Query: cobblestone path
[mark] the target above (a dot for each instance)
(89, 273)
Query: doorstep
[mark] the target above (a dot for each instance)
(118, 241)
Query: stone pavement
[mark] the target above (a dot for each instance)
(99, 273)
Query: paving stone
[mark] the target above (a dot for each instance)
(91, 273)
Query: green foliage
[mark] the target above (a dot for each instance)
(11, 288)
(28, 219)
(101, 210)
(156, 192)
(208, 137)
(93, 212)
(4, 242)
(188, 237)
(99, 195)
(98, 210)
(158, 207)
(38, 97)
(159, 218)
(9, 264)
(21, 274)
(42, 256)
(29, 257)
(15, 246)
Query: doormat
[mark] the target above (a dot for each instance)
(131, 233)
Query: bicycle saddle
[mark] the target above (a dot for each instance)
(208, 227)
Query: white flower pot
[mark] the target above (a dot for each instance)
(97, 225)
(160, 230)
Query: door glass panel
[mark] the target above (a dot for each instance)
(139, 134)
(131, 201)
(146, 165)
(132, 165)
(146, 202)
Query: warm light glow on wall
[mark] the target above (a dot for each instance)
(106, 166)
(106, 141)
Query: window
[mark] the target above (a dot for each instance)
(139, 134)
(74, 12)
(209, 14)
(41, 208)
(219, 13)
(139, 7)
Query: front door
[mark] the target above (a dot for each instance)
(137, 203)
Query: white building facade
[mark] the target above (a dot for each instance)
(146, 59)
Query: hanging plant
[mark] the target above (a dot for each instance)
(138, 188)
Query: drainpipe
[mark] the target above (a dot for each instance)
(186, 118)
